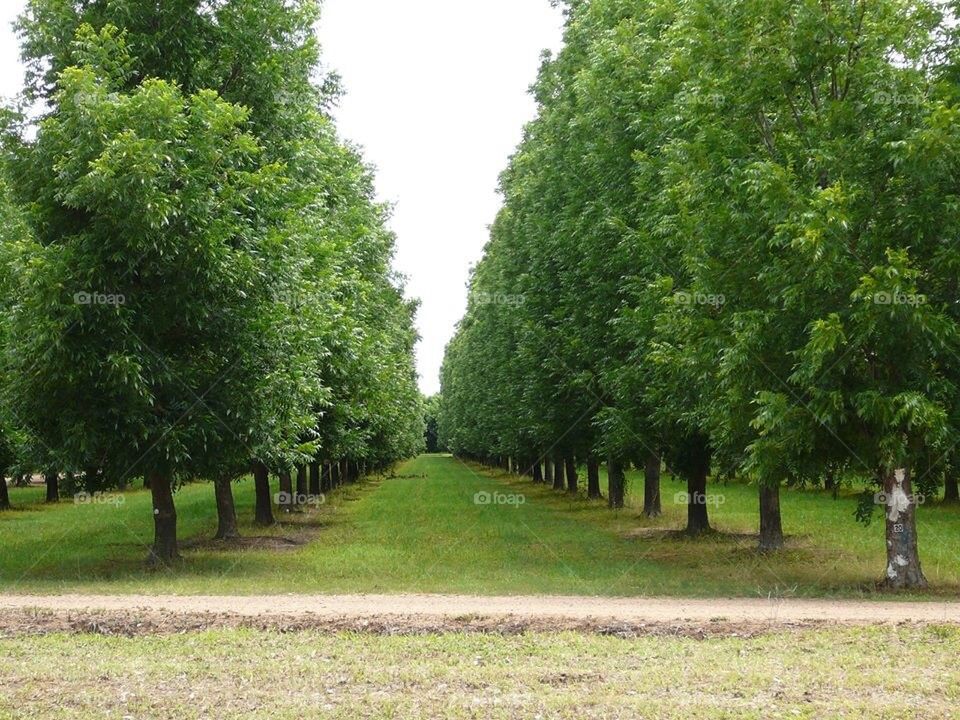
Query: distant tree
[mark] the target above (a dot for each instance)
(432, 420)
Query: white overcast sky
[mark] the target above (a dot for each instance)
(437, 97)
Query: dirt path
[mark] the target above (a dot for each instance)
(540, 608)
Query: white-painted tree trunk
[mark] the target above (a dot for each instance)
(903, 558)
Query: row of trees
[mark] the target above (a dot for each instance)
(729, 243)
(197, 277)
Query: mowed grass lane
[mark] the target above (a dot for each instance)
(427, 530)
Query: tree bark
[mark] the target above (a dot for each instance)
(593, 478)
(652, 504)
(558, 475)
(903, 558)
(286, 492)
(315, 488)
(698, 520)
(303, 486)
(771, 525)
(537, 472)
(227, 528)
(547, 471)
(573, 482)
(334, 475)
(165, 550)
(4, 491)
(616, 483)
(830, 481)
(91, 480)
(951, 490)
(325, 479)
(263, 515)
(53, 487)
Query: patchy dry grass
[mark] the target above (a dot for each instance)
(863, 673)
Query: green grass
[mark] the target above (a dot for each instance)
(423, 532)
(867, 673)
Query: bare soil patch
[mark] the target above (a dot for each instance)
(141, 623)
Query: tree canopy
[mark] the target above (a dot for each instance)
(202, 280)
(729, 240)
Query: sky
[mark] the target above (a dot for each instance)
(437, 98)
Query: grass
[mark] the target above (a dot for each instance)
(867, 673)
(423, 532)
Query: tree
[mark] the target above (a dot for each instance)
(432, 419)
(296, 268)
(727, 225)
(146, 285)
(13, 231)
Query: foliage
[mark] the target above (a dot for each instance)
(732, 228)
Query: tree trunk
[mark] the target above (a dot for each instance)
(593, 479)
(303, 486)
(547, 471)
(4, 491)
(325, 479)
(698, 520)
(830, 481)
(286, 492)
(572, 479)
(951, 490)
(903, 558)
(771, 526)
(537, 472)
(315, 479)
(558, 475)
(53, 487)
(263, 514)
(616, 483)
(227, 528)
(91, 480)
(334, 475)
(165, 550)
(652, 505)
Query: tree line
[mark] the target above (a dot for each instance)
(197, 276)
(729, 245)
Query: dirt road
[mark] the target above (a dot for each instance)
(541, 608)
